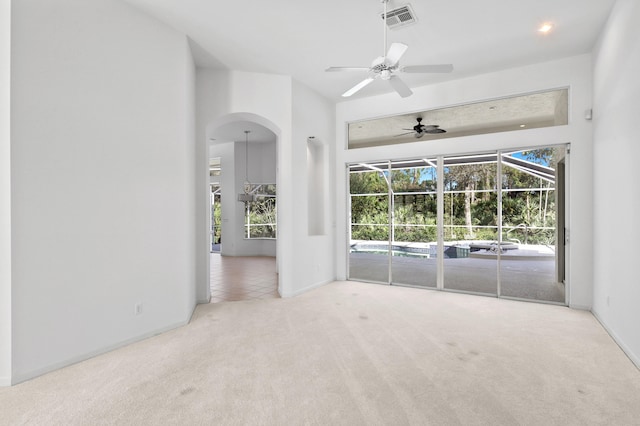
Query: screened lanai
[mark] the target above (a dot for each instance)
(484, 223)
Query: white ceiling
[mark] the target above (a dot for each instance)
(303, 38)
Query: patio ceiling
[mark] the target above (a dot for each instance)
(508, 159)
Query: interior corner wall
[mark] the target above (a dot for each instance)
(573, 72)
(102, 179)
(187, 119)
(616, 152)
(212, 100)
(5, 193)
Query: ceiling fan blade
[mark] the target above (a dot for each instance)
(396, 50)
(403, 134)
(400, 87)
(443, 68)
(334, 69)
(357, 87)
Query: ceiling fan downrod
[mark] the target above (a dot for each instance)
(384, 30)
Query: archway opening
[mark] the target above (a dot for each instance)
(243, 224)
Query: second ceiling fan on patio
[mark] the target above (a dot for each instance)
(386, 67)
(419, 130)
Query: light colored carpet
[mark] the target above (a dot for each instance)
(350, 353)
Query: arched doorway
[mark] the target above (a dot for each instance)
(244, 146)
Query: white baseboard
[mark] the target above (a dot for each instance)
(19, 378)
(5, 381)
(580, 307)
(306, 289)
(635, 358)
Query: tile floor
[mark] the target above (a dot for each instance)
(243, 278)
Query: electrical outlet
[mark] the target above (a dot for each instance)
(137, 309)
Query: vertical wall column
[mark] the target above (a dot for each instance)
(5, 193)
(440, 221)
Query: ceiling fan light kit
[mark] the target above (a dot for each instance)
(386, 67)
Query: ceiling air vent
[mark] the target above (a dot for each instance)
(400, 17)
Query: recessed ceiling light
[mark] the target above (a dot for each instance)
(545, 28)
(523, 125)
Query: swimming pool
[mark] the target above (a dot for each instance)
(420, 250)
(456, 249)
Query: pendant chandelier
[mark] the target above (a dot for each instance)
(245, 197)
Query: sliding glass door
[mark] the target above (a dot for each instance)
(470, 224)
(414, 223)
(370, 224)
(533, 267)
(484, 223)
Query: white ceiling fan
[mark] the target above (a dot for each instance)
(386, 66)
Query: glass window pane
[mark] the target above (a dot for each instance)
(368, 258)
(415, 239)
(415, 229)
(260, 214)
(369, 252)
(470, 224)
(529, 262)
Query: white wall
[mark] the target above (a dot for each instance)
(616, 153)
(269, 96)
(212, 100)
(264, 99)
(5, 193)
(574, 72)
(269, 101)
(314, 262)
(186, 120)
(102, 180)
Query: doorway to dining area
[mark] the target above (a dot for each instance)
(237, 278)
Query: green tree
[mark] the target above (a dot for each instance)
(370, 211)
(469, 179)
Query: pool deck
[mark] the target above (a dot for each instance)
(527, 272)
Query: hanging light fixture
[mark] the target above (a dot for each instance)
(246, 197)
